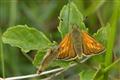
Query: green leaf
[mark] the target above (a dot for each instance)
(71, 71)
(102, 34)
(87, 74)
(99, 73)
(38, 57)
(41, 53)
(61, 63)
(70, 15)
(112, 65)
(25, 38)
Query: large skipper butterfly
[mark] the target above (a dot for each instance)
(78, 43)
(75, 44)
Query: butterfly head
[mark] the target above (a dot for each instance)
(74, 28)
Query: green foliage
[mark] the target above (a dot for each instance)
(38, 57)
(61, 63)
(1, 55)
(25, 38)
(71, 71)
(87, 74)
(99, 34)
(63, 28)
(70, 15)
(111, 36)
(94, 6)
(112, 31)
(75, 17)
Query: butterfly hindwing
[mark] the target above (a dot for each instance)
(90, 45)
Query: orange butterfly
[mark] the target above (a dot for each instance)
(74, 45)
(78, 43)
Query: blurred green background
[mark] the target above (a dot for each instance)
(43, 15)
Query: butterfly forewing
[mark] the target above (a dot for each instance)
(90, 45)
(66, 49)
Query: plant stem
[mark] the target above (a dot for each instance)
(34, 75)
(111, 36)
(94, 6)
(110, 66)
(2, 55)
(100, 18)
(13, 12)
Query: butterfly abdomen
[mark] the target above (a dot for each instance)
(77, 41)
